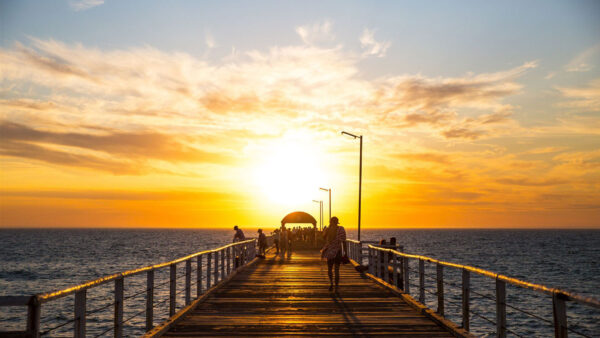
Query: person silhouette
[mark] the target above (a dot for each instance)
(335, 247)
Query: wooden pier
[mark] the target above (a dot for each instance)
(277, 297)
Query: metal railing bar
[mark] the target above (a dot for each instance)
(57, 327)
(578, 332)
(110, 328)
(483, 295)
(100, 308)
(134, 315)
(136, 294)
(530, 314)
(482, 317)
(513, 332)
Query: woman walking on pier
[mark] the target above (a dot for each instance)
(335, 241)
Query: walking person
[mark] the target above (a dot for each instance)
(335, 248)
(238, 237)
(262, 243)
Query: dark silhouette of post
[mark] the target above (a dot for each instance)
(359, 176)
(329, 201)
(320, 212)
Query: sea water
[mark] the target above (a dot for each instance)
(42, 260)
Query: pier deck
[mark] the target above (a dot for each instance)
(277, 297)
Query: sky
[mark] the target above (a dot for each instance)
(209, 114)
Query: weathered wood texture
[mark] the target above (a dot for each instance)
(291, 297)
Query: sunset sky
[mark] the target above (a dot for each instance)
(210, 114)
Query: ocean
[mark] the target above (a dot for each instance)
(41, 260)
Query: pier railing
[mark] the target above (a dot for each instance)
(394, 268)
(211, 266)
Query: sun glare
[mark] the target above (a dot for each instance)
(290, 172)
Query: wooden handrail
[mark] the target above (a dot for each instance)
(590, 301)
(45, 297)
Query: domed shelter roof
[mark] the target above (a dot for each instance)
(299, 217)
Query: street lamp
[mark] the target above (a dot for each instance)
(320, 212)
(329, 201)
(359, 176)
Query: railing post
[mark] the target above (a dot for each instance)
(188, 281)
(371, 267)
(440, 288)
(199, 277)
(118, 307)
(33, 317)
(228, 260)
(222, 264)
(500, 308)
(466, 288)
(359, 253)
(379, 264)
(406, 275)
(172, 289)
(149, 300)
(386, 271)
(559, 311)
(80, 300)
(216, 272)
(421, 281)
(208, 268)
(394, 270)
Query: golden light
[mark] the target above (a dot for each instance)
(290, 171)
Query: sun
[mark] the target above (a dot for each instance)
(290, 171)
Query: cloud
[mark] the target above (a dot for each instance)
(587, 98)
(583, 61)
(462, 133)
(209, 40)
(315, 33)
(371, 46)
(83, 5)
(119, 151)
(529, 182)
(425, 157)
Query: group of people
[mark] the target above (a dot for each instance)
(335, 250)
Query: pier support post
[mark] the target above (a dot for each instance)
(421, 281)
(228, 260)
(466, 288)
(440, 288)
(216, 272)
(406, 275)
(33, 317)
(208, 272)
(371, 267)
(500, 308)
(188, 282)
(149, 300)
(80, 300)
(394, 270)
(199, 277)
(172, 289)
(223, 264)
(386, 271)
(118, 320)
(560, 316)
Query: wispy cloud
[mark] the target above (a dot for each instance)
(584, 61)
(586, 98)
(372, 46)
(316, 32)
(82, 5)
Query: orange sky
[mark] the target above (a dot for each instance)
(144, 136)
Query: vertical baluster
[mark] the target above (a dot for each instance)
(371, 267)
(421, 281)
(559, 311)
(406, 275)
(149, 300)
(188, 281)
(208, 268)
(172, 289)
(500, 308)
(80, 300)
(386, 271)
(440, 288)
(223, 264)
(466, 288)
(118, 319)
(228, 260)
(216, 272)
(33, 317)
(394, 270)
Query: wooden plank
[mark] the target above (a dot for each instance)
(291, 297)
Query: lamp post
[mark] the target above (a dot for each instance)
(359, 176)
(329, 190)
(320, 212)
